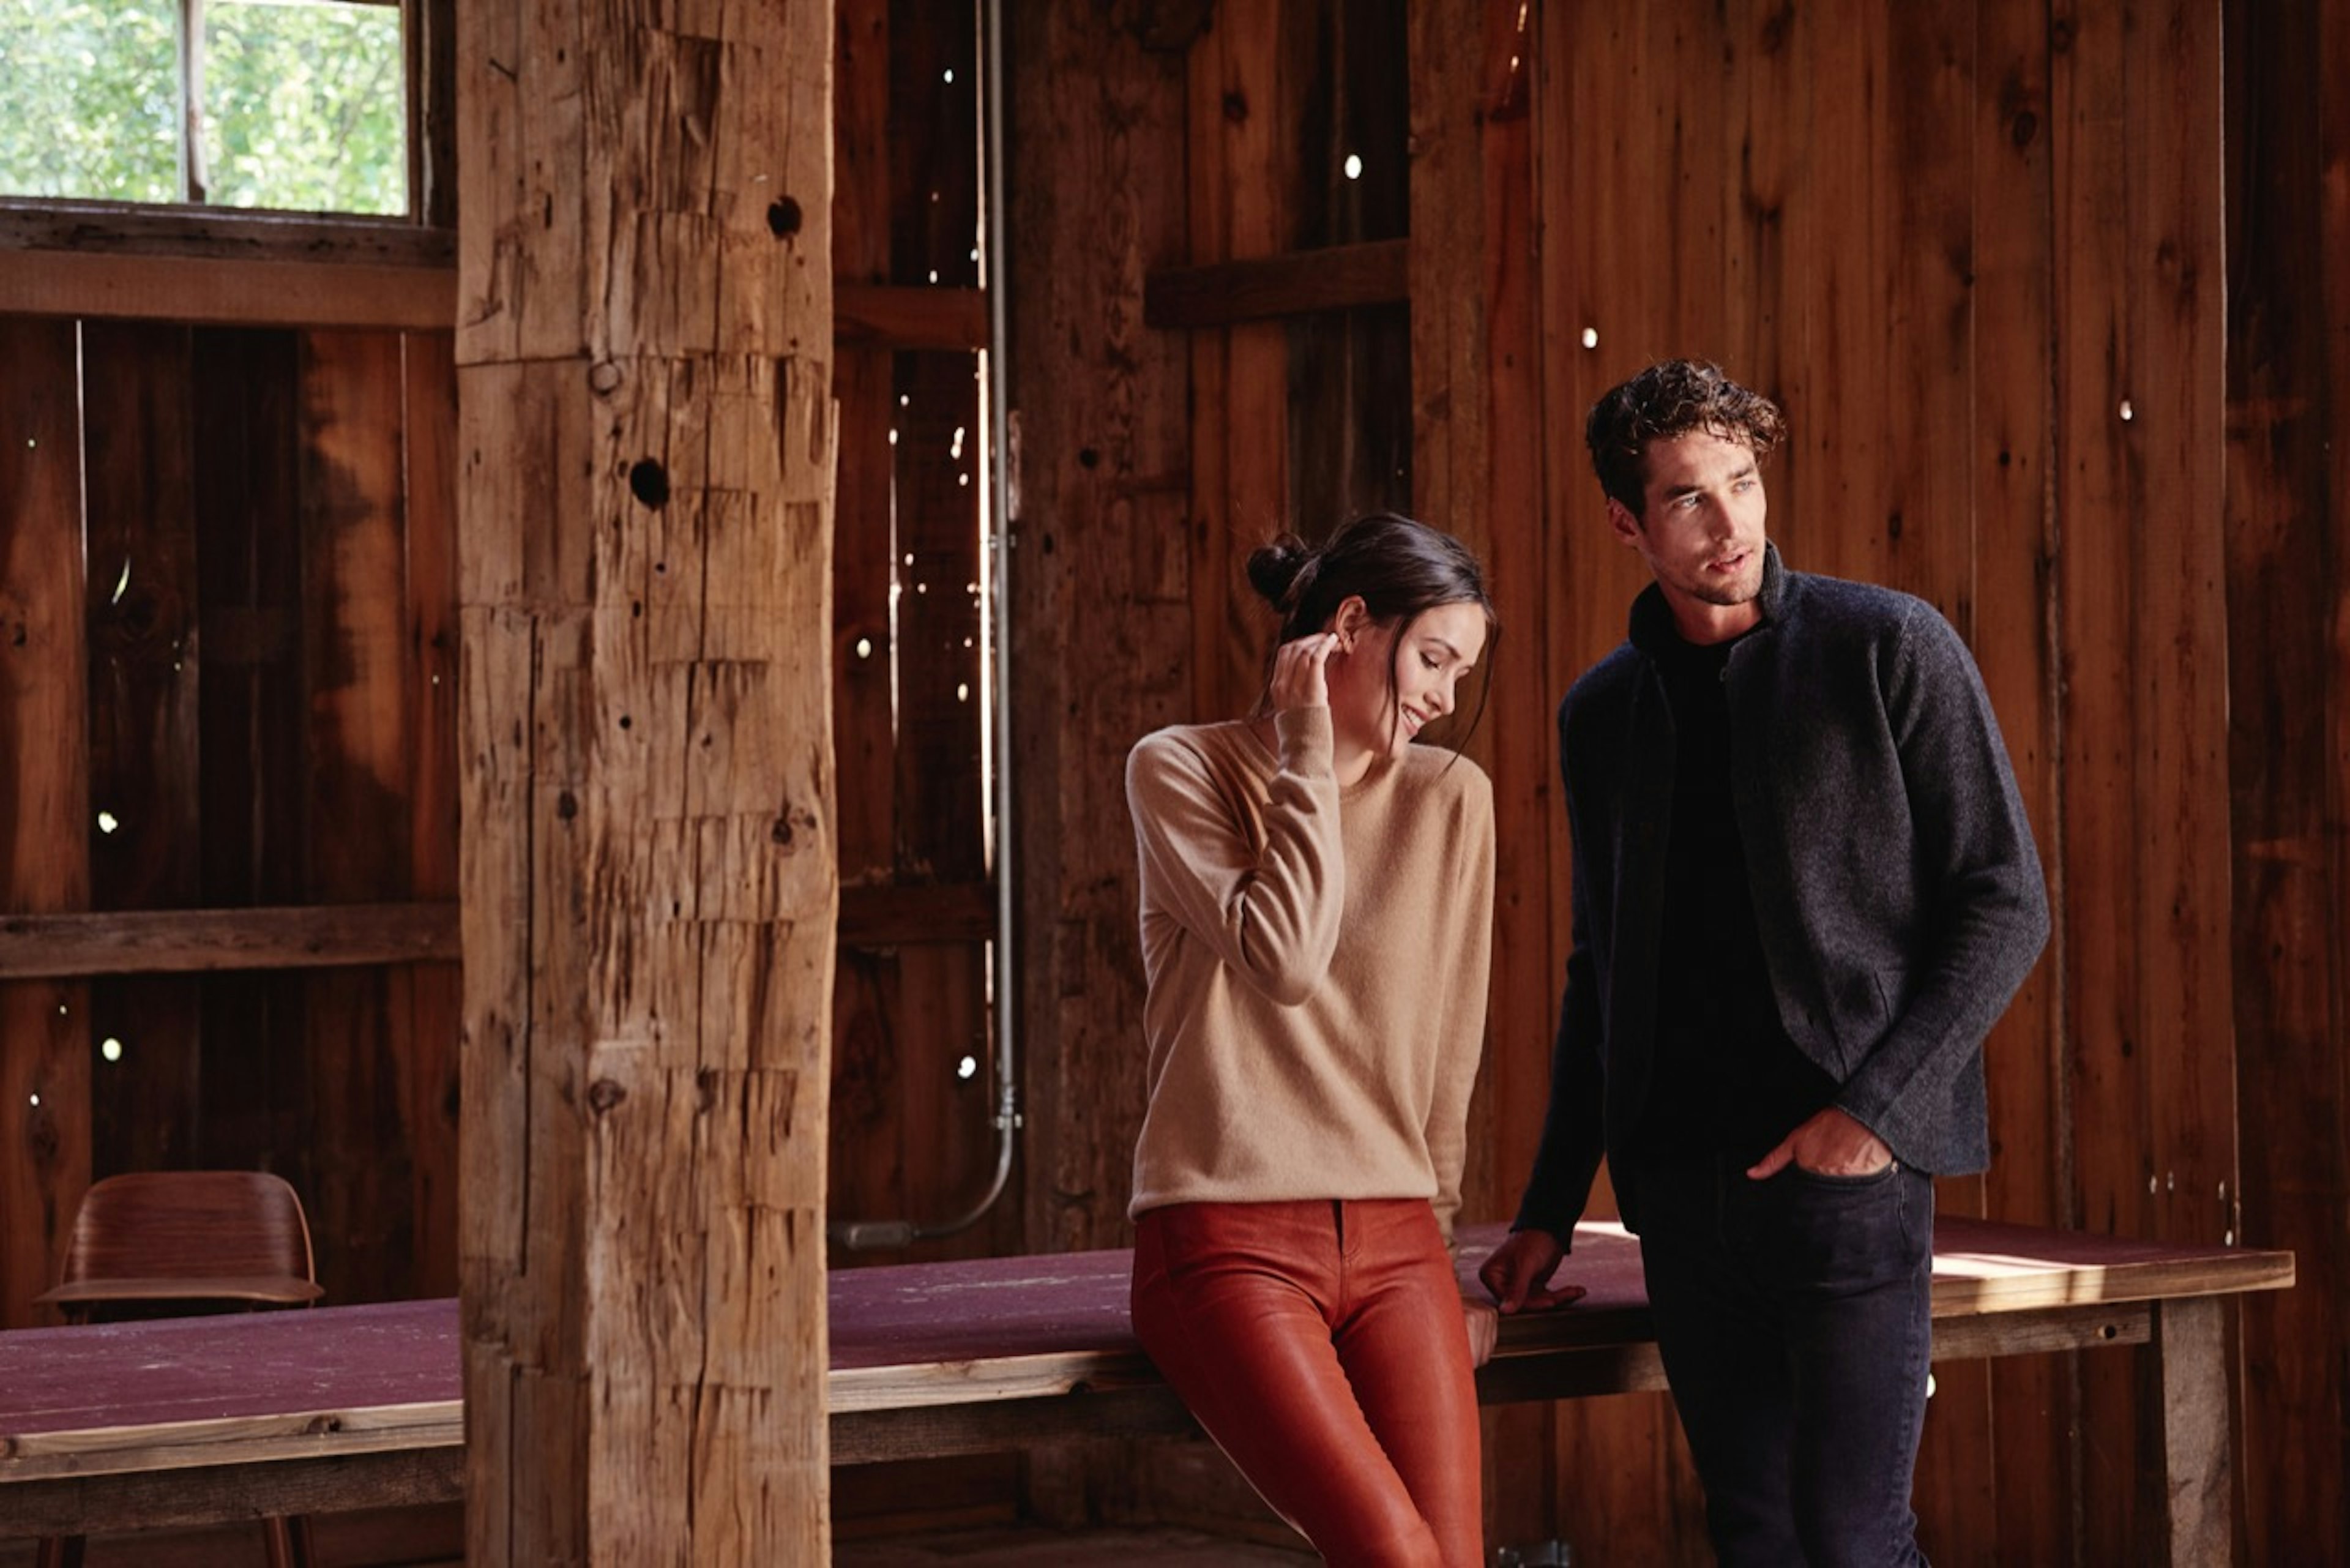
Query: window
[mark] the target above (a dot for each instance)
(296, 104)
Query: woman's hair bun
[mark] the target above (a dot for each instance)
(1273, 570)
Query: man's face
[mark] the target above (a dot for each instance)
(1700, 532)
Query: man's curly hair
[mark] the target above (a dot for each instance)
(1667, 399)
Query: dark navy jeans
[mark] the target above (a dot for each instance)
(1794, 1318)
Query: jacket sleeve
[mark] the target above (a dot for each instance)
(1572, 1136)
(1272, 914)
(1467, 988)
(1989, 915)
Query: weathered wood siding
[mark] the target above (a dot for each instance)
(44, 1052)
(246, 536)
(2288, 578)
(913, 1133)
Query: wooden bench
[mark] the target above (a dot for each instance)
(208, 1419)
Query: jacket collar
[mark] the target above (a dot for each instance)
(1652, 619)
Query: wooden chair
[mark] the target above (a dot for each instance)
(158, 1240)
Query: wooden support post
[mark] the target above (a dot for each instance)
(2198, 1461)
(649, 880)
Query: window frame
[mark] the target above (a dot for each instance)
(189, 260)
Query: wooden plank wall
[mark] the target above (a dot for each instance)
(913, 1135)
(247, 537)
(1103, 596)
(45, 1047)
(2288, 574)
(1978, 252)
(1878, 170)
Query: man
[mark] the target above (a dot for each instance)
(1804, 889)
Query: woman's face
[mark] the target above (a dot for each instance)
(1428, 655)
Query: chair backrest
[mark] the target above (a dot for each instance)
(168, 1234)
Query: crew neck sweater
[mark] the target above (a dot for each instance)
(1317, 963)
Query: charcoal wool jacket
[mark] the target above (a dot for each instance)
(1895, 887)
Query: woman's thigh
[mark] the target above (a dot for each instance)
(1236, 1303)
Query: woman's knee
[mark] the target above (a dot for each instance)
(1402, 1541)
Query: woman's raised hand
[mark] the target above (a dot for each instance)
(1301, 673)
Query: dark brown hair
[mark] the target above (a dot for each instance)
(1401, 569)
(1672, 399)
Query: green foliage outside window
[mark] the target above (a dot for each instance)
(89, 95)
(305, 103)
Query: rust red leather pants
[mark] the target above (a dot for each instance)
(1321, 1344)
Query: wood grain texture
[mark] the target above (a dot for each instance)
(1103, 444)
(868, 1146)
(153, 1499)
(869, 315)
(44, 834)
(356, 834)
(1243, 157)
(2288, 473)
(2140, 427)
(1334, 278)
(73, 282)
(914, 1135)
(172, 941)
(2033, 1408)
(1106, 463)
(651, 887)
(427, 1000)
(140, 458)
(254, 764)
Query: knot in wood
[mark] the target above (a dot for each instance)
(784, 217)
(648, 483)
(787, 827)
(604, 376)
(603, 1094)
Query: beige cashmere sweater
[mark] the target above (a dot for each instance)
(1317, 965)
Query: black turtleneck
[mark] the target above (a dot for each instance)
(1726, 1078)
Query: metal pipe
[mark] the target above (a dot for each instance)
(873, 1235)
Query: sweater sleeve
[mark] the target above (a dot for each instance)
(1974, 842)
(1467, 985)
(1271, 915)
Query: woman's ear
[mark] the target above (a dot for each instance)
(1353, 619)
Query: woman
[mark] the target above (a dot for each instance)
(1317, 924)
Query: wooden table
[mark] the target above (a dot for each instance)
(203, 1420)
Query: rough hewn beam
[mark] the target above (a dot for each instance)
(651, 885)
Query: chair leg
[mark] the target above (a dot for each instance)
(61, 1551)
(289, 1542)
